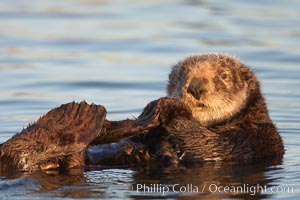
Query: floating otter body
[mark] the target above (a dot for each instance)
(225, 98)
(228, 118)
(215, 112)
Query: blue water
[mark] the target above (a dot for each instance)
(119, 54)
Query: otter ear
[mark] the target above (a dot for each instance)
(240, 83)
(249, 77)
(238, 79)
(173, 78)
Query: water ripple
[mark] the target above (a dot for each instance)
(101, 85)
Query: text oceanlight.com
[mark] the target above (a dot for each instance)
(211, 188)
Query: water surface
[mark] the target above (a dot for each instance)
(119, 54)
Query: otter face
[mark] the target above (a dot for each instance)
(211, 85)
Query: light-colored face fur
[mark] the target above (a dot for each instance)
(211, 85)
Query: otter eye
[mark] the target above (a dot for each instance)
(224, 76)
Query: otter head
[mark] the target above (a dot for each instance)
(215, 87)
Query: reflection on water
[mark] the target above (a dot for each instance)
(119, 54)
(199, 181)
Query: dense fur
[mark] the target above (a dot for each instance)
(247, 137)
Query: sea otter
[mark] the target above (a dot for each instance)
(215, 112)
(228, 118)
(225, 98)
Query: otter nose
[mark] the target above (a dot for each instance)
(196, 89)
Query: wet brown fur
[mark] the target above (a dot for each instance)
(57, 139)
